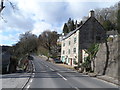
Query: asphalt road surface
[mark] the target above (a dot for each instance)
(49, 75)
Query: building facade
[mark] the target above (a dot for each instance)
(69, 52)
(75, 43)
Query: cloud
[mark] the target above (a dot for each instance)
(40, 15)
(42, 26)
(8, 39)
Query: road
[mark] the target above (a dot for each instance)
(49, 75)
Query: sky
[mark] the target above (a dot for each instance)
(40, 15)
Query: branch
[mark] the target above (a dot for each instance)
(3, 18)
(2, 6)
(12, 5)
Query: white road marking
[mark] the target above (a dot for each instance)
(28, 86)
(43, 71)
(76, 88)
(46, 65)
(52, 69)
(62, 76)
(76, 72)
(33, 70)
(33, 75)
(31, 80)
(33, 67)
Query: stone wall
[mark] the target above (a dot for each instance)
(100, 60)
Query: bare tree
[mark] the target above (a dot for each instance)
(48, 40)
(26, 45)
(2, 6)
(108, 16)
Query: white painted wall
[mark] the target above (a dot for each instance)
(67, 47)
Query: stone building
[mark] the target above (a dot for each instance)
(74, 43)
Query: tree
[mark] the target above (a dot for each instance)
(107, 57)
(29, 42)
(26, 45)
(2, 5)
(108, 25)
(65, 29)
(48, 40)
(69, 26)
(92, 51)
(108, 16)
(118, 18)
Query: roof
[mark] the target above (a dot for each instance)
(72, 32)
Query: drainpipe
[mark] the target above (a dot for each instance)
(79, 50)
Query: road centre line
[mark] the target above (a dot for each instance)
(52, 69)
(76, 88)
(31, 80)
(28, 86)
(62, 76)
(46, 66)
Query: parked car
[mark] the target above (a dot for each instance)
(57, 61)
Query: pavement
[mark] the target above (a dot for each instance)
(109, 79)
(15, 80)
(49, 75)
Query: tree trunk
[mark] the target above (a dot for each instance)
(107, 57)
(2, 6)
(48, 53)
(93, 65)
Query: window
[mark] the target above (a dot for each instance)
(63, 44)
(75, 62)
(75, 40)
(98, 38)
(69, 42)
(74, 50)
(69, 51)
(63, 52)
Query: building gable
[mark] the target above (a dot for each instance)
(91, 32)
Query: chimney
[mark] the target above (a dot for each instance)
(91, 13)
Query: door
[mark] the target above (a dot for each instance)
(71, 62)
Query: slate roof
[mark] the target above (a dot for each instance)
(72, 32)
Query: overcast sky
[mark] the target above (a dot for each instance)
(39, 15)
